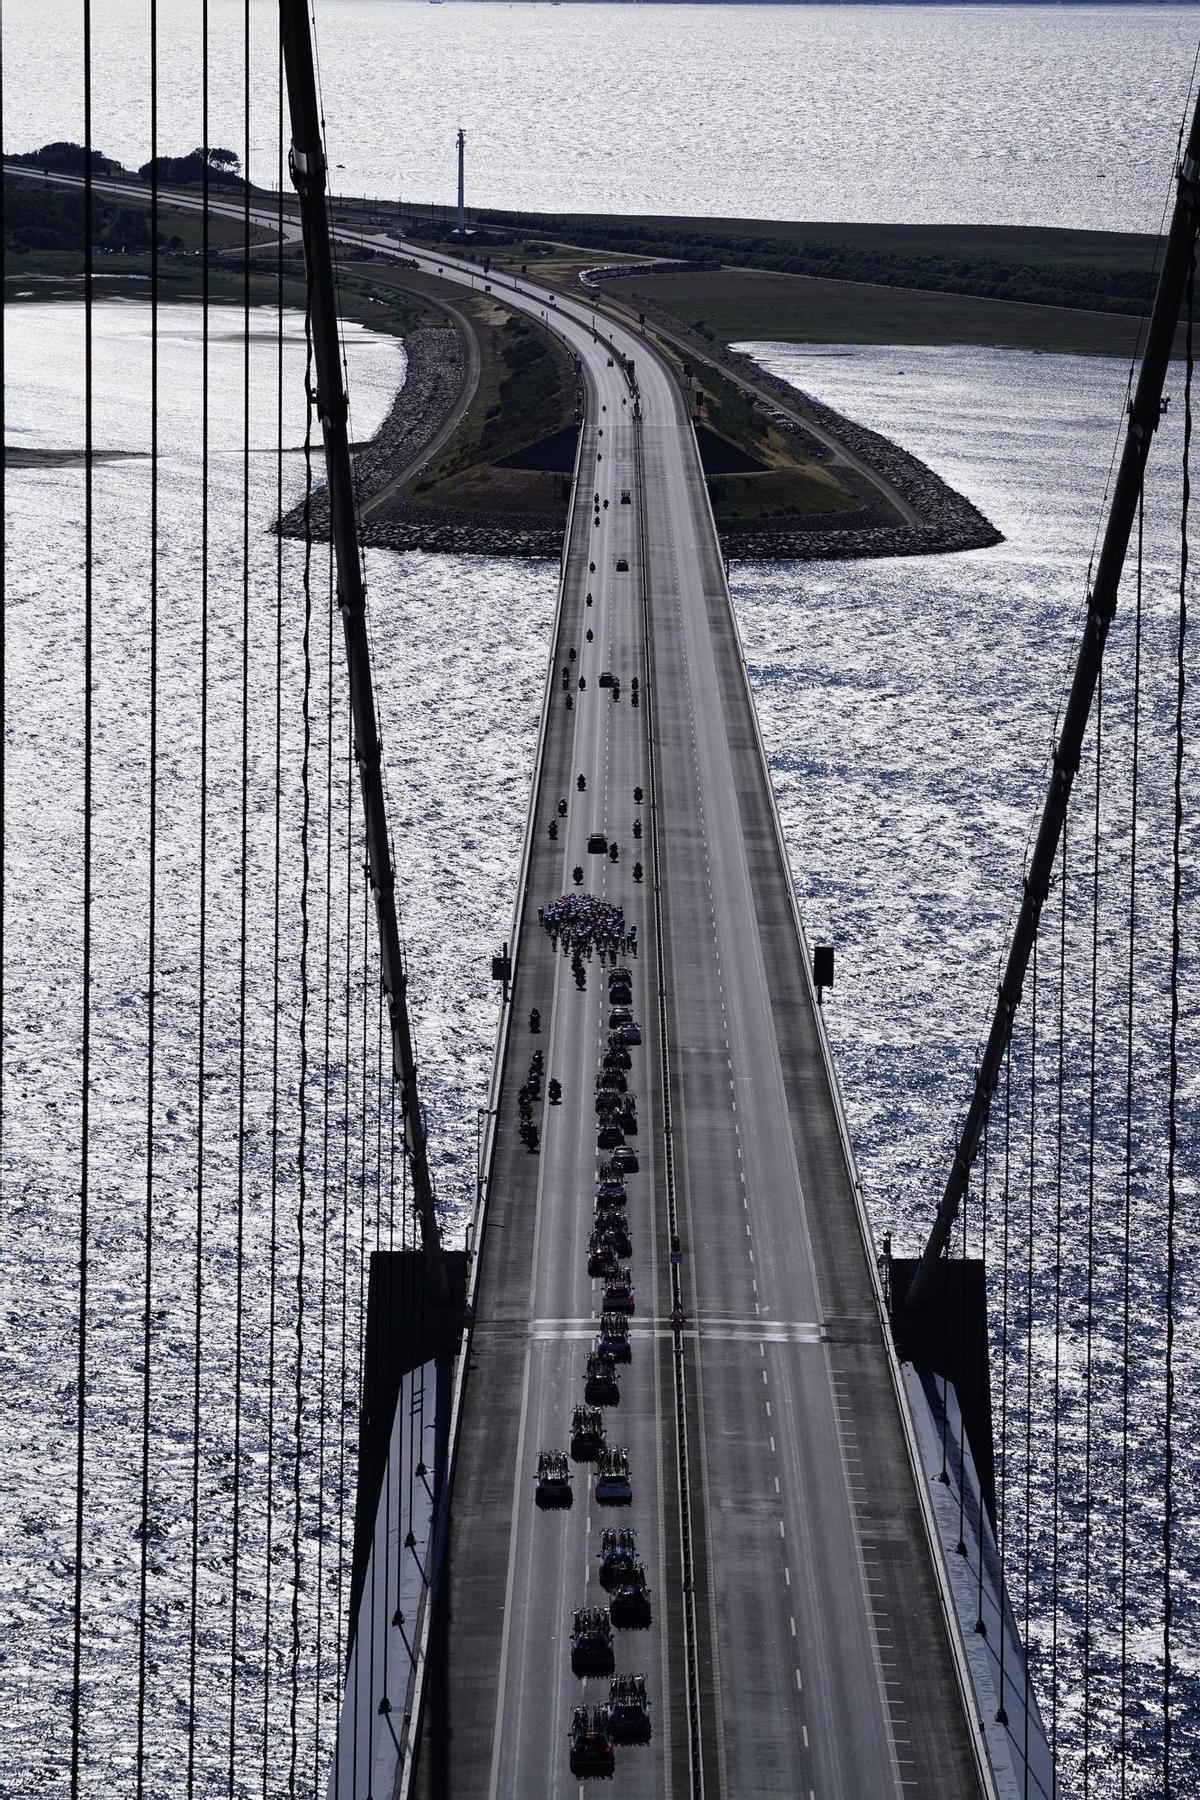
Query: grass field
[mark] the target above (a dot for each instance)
(730, 306)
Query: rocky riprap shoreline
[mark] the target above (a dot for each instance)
(483, 534)
(951, 523)
(432, 384)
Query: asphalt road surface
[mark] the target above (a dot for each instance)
(823, 1667)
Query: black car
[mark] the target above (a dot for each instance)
(591, 1642)
(597, 843)
(625, 1160)
(601, 1386)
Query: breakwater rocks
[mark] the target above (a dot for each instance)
(432, 384)
(949, 521)
(398, 527)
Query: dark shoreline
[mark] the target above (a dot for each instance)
(431, 388)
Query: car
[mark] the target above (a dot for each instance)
(619, 1293)
(609, 1137)
(610, 1203)
(592, 1642)
(625, 500)
(628, 1710)
(587, 1434)
(617, 1056)
(613, 1338)
(603, 1255)
(620, 1015)
(591, 1742)
(628, 1119)
(597, 843)
(612, 1079)
(629, 1606)
(609, 363)
(626, 1160)
(613, 1190)
(615, 1234)
(618, 1555)
(601, 1384)
(606, 678)
(553, 1479)
(622, 565)
(630, 1034)
(613, 1484)
(619, 993)
(608, 1101)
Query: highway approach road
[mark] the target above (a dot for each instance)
(798, 1645)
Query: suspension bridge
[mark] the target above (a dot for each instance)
(901, 1524)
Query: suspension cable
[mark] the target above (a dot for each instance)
(1168, 1526)
(151, 969)
(202, 995)
(86, 971)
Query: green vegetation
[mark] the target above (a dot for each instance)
(784, 483)
(526, 393)
(730, 306)
(1091, 270)
(38, 218)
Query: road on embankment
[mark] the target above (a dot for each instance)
(823, 1666)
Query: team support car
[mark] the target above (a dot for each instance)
(601, 1386)
(622, 565)
(629, 1604)
(628, 1710)
(592, 1752)
(613, 1484)
(613, 1337)
(630, 1033)
(620, 1015)
(625, 1159)
(592, 1642)
(611, 1196)
(609, 1137)
(618, 1555)
(602, 1256)
(597, 844)
(612, 1230)
(587, 1434)
(618, 1292)
(607, 1101)
(625, 500)
(617, 1056)
(611, 1078)
(620, 993)
(553, 1479)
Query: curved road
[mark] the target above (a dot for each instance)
(824, 1667)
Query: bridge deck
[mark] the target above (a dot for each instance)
(824, 1667)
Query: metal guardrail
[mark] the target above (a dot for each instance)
(679, 1372)
(477, 1225)
(950, 1614)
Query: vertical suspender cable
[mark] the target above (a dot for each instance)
(980, 1621)
(239, 1271)
(86, 972)
(202, 950)
(1002, 1484)
(1145, 410)
(1028, 1433)
(1168, 1526)
(1056, 1452)
(151, 971)
(1090, 1283)
(1127, 1207)
(273, 1246)
(309, 175)
(3, 615)
(302, 1154)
